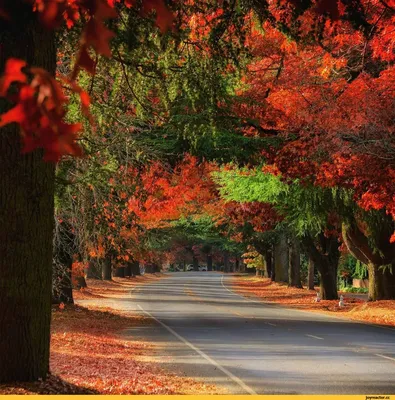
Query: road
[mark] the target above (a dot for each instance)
(205, 330)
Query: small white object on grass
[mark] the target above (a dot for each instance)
(341, 302)
(318, 298)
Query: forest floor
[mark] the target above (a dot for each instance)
(90, 356)
(378, 312)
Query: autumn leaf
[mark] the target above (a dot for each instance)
(13, 73)
(164, 17)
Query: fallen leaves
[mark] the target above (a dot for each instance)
(117, 287)
(89, 354)
(379, 312)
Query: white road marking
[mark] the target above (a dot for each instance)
(269, 323)
(204, 355)
(315, 337)
(388, 358)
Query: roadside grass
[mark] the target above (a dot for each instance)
(90, 356)
(379, 312)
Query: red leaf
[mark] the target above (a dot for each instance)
(86, 62)
(164, 17)
(98, 36)
(13, 73)
(16, 114)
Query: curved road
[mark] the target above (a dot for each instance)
(205, 330)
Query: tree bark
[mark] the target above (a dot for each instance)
(326, 259)
(128, 269)
(135, 268)
(294, 265)
(268, 263)
(281, 259)
(94, 270)
(26, 217)
(226, 261)
(119, 272)
(107, 269)
(381, 280)
(209, 262)
(195, 263)
(64, 248)
(310, 275)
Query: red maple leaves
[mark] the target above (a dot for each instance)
(40, 106)
(39, 110)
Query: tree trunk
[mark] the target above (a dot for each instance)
(26, 217)
(281, 259)
(237, 264)
(128, 269)
(64, 248)
(107, 269)
(226, 261)
(195, 263)
(119, 272)
(310, 276)
(135, 268)
(268, 263)
(294, 265)
(62, 292)
(381, 280)
(209, 262)
(381, 283)
(80, 282)
(328, 280)
(94, 269)
(326, 260)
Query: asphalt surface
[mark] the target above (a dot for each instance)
(206, 331)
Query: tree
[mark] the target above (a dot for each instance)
(27, 194)
(26, 215)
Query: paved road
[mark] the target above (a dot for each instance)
(205, 330)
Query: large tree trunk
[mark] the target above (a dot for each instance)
(326, 259)
(26, 217)
(310, 275)
(107, 269)
(209, 262)
(281, 259)
(294, 265)
(381, 280)
(328, 280)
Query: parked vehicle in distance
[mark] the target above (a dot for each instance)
(190, 268)
(203, 268)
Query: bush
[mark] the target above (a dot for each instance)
(350, 289)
